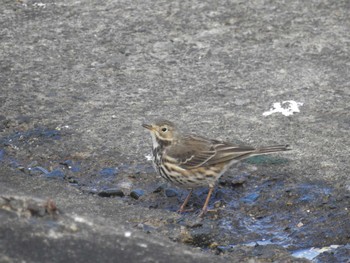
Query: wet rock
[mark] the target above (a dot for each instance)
(36, 209)
(236, 180)
(171, 192)
(111, 192)
(28, 207)
(72, 180)
(224, 249)
(89, 190)
(109, 171)
(55, 174)
(340, 254)
(239, 180)
(200, 236)
(137, 193)
(160, 188)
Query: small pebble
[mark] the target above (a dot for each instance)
(171, 192)
(16, 204)
(159, 188)
(218, 204)
(137, 193)
(55, 174)
(22, 169)
(72, 180)
(73, 227)
(224, 249)
(111, 192)
(36, 209)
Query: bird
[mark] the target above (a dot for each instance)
(191, 161)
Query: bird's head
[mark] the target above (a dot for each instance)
(162, 131)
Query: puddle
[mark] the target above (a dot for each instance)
(312, 253)
(24, 137)
(301, 218)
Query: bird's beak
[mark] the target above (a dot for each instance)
(147, 126)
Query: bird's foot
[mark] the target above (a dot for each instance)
(204, 212)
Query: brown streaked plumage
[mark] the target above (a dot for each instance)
(191, 161)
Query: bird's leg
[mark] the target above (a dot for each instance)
(205, 206)
(182, 207)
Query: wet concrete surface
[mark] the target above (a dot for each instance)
(78, 79)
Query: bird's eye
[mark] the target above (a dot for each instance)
(164, 129)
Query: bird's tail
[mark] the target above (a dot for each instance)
(272, 149)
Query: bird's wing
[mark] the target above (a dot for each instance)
(195, 151)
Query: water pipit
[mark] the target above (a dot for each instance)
(190, 161)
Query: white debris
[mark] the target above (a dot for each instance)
(149, 157)
(127, 234)
(82, 220)
(287, 108)
(61, 127)
(143, 245)
(54, 235)
(42, 5)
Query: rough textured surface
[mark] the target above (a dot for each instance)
(75, 231)
(79, 77)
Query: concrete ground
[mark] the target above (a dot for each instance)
(78, 78)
